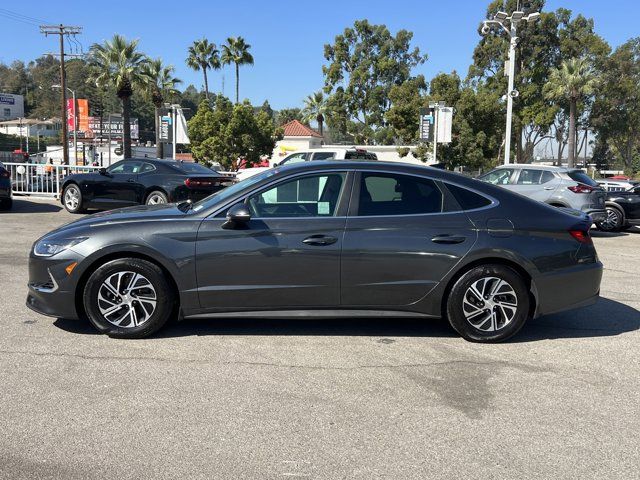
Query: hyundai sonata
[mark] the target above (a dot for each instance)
(327, 239)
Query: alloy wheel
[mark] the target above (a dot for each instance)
(156, 199)
(71, 198)
(612, 220)
(490, 304)
(127, 299)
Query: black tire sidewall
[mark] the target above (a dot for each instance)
(455, 312)
(165, 297)
(156, 192)
(618, 225)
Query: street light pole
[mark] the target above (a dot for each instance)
(501, 19)
(75, 126)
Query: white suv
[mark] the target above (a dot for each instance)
(311, 155)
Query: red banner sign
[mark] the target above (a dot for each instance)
(83, 114)
(71, 115)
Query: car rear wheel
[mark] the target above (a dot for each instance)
(613, 221)
(72, 199)
(128, 298)
(156, 198)
(489, 303)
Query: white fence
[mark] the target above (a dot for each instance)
(41, 179)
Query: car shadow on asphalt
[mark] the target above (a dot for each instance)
(605, 318)
(23, 205)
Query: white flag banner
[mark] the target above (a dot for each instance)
(181, 127)
(445, 117)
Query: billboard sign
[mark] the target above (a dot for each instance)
(110, 127)
(11, 106)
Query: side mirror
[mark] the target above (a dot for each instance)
(237, 217)
(102, 171)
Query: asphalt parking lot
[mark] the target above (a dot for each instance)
(318, 399)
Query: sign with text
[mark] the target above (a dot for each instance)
(165, 130)
(426, 124)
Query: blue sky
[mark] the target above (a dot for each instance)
(287, 37)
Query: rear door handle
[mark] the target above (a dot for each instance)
(448, 239)
(131, 180)
(549, 188)
(320, 240)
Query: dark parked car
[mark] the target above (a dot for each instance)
(140, 181)
(623, 210)
(6, 189)
(333, 239)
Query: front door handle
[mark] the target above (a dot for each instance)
(448, 239)
(131, 180)
(549, 188)
(320, 240)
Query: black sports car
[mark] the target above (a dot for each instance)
(623, 210)
(140, 181)
(6, 190)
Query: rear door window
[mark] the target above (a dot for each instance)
(500, 176)
(294, 158)
(547, 176)
(390, 194)
(529, 177)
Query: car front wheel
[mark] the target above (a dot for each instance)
(72, 199)
(489, 303)
(128, 298)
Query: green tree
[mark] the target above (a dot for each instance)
(573, 81)
(231, 134)
(236, 51)
(315, 107)
(616, 112)
(118, 63)
(288, 114)
(406, 99)
(204, 56)
(160, 84)
(364, 63)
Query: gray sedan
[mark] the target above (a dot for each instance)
(324, 239)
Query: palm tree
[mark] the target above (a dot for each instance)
(572, 81)
(204, 56)
(118, 63)
(159, 84)
(315, 106)
(236, 51)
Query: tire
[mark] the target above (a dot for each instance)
(156, 198)
(480, 319)
(139, 312)
(6, 204)
(614, 221)
(72, 199)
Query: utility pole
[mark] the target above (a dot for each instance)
(501, 19)
(62, 30)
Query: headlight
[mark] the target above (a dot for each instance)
(48, 248)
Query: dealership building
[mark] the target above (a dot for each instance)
(11, 106)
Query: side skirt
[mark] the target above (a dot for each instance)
(312, 314)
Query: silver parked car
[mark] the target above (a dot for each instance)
(556, 186)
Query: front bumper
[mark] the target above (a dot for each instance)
(597, 215)
(51, 290)
(569, 288)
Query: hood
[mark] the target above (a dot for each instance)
(142, 213)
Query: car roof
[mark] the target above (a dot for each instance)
(551, 168)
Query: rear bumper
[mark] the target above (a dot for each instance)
(567, 289)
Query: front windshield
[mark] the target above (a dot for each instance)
(224, 194)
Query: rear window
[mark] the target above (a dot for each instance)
(357, 155)
(467, 199)
(188, 167)
(580, 176)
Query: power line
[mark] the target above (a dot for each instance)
(22, 18)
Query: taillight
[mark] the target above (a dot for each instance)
(581, 188)
(200, 182)
(581, 236)
(5, 173)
